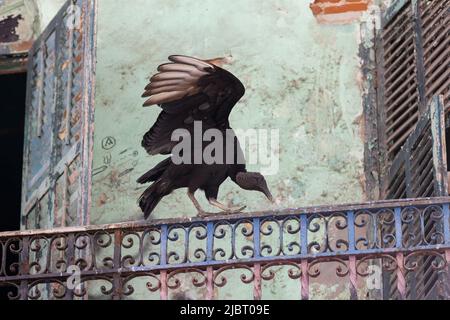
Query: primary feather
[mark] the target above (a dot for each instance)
(188, 90)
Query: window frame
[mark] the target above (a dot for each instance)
(32, 195)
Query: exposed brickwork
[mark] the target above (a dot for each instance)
(339, 11)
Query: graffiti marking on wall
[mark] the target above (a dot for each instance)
(108, 143)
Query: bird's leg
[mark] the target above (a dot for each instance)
(200, 210)
(223, 207)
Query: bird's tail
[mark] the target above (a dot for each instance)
(149, 199)
(153, 194)
(155, 173)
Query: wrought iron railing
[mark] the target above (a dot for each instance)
(347, 240)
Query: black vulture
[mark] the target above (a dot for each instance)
(191, 91)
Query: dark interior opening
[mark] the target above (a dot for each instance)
(12, 104)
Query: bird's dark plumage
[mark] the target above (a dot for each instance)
(190, 90)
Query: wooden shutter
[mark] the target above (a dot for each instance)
(58, 134)
(412, 58)
(412, 52)
(435, 38)
(420, 170)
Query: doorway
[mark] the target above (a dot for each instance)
(12, 119)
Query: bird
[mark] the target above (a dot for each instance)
(191, 91)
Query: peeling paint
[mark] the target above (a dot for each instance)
(21, 22)
(8, 26)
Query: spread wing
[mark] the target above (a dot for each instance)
(188, 89)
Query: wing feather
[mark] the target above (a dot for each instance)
(164, 96)
(199, 64)
(163, 83)
(188, 90)
(173, 75)
(193, 71)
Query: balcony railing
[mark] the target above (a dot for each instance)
(349, 240)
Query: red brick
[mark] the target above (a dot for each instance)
(316, 9)
(348, 7)
(328, 1)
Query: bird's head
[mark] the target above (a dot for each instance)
(254, 181)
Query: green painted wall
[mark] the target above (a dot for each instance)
(301, 78)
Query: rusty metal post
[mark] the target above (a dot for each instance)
(257, 291)
(209, 257)
(117, 278)
(70, 252)
(352, 259)
(209, 283)
(304, 279)
(304, 265)
(353, 278)
(24, 269)
(401, 281)
(164, 291)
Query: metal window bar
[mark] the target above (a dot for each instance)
(162, 253)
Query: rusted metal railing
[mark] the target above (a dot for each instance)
(158, 253)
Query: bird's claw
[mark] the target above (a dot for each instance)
(204, 214)
(233, 210)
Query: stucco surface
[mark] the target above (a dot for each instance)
(301, 79)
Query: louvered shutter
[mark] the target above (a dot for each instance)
(435, 37)
(412, 53)
(59, 111)
(420, 168)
